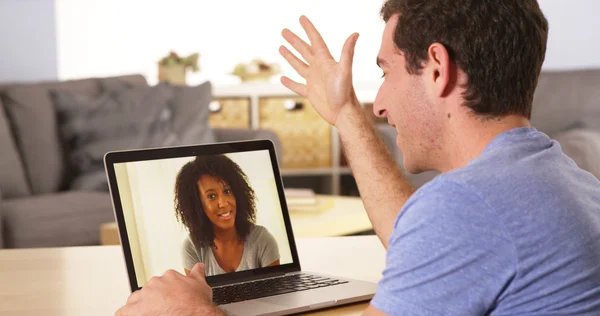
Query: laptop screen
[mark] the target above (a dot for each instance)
(221, 209)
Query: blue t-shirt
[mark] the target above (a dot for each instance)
(515, 232)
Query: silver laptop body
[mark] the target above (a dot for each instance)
(347, 291)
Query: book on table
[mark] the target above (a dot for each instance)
(304, 200)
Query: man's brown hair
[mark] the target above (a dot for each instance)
(499, 44)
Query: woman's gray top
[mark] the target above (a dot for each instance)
(260, 250)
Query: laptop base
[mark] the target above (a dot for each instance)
(310, 300)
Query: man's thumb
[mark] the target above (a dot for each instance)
(348, 51)
(198, 271)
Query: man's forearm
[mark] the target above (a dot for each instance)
(382, 186)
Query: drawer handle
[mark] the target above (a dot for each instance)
(292, 105)
(215, 107)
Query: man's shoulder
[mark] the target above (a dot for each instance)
(446, 202)
(448, 187)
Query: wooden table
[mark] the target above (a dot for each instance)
(338, 216)
(93, 280)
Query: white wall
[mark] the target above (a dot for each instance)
(112, 37)
(27, 40)
(115, 37)
(574, 38)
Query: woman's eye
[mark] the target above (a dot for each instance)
(228, 191)
(212, 196)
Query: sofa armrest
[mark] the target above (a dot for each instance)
(239, 134)
(63, 219)
(583, 146)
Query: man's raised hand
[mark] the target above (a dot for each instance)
(328, 84)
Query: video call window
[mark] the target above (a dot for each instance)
(221, 210)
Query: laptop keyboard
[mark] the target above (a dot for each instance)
(270, 287)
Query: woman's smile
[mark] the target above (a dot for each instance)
(225, 216)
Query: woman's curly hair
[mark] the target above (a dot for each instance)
(188, 206)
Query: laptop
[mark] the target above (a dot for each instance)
(174, 206)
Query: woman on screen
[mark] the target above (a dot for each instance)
(214, 201)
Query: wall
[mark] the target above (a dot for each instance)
(116, 37)
(573, 40)
(67, 39)
(27, 40)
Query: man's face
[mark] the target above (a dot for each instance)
(404, 100)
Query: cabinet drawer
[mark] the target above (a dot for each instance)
(230, 112)
(305, 136)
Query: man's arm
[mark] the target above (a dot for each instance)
(383, 187)
(329, 89)
(173, 294)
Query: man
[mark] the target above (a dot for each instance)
(510, 227)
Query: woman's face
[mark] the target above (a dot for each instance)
(218, 201)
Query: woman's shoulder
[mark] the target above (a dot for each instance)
(190, 247)
(259, 232)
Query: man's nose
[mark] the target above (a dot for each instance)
(379, 111)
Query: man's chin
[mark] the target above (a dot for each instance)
(414, 168)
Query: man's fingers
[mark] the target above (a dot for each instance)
(298, 44)
(298, 65)
(134, 297)
(127, 310)
(314, 36)
(171, 274)
(123, 311)
(152, 280)
(199, 272)
(295, 86)
(348, 52)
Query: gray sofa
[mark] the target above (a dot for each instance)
(37, 206)
(566, 107)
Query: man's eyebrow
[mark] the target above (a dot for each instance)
(381, 62)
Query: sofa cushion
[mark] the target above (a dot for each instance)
(191, 114)
(13, 181)
(56, 220)
(125, 118)
(33, 118)
(190, 111)
(133, 118)
(583, 146)
(566, 99)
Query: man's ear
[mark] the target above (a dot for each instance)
(440, 69)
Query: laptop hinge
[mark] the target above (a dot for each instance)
(252, 278)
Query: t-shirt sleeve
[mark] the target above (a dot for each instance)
(268, 250)
(189, 255)
(449, 254)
